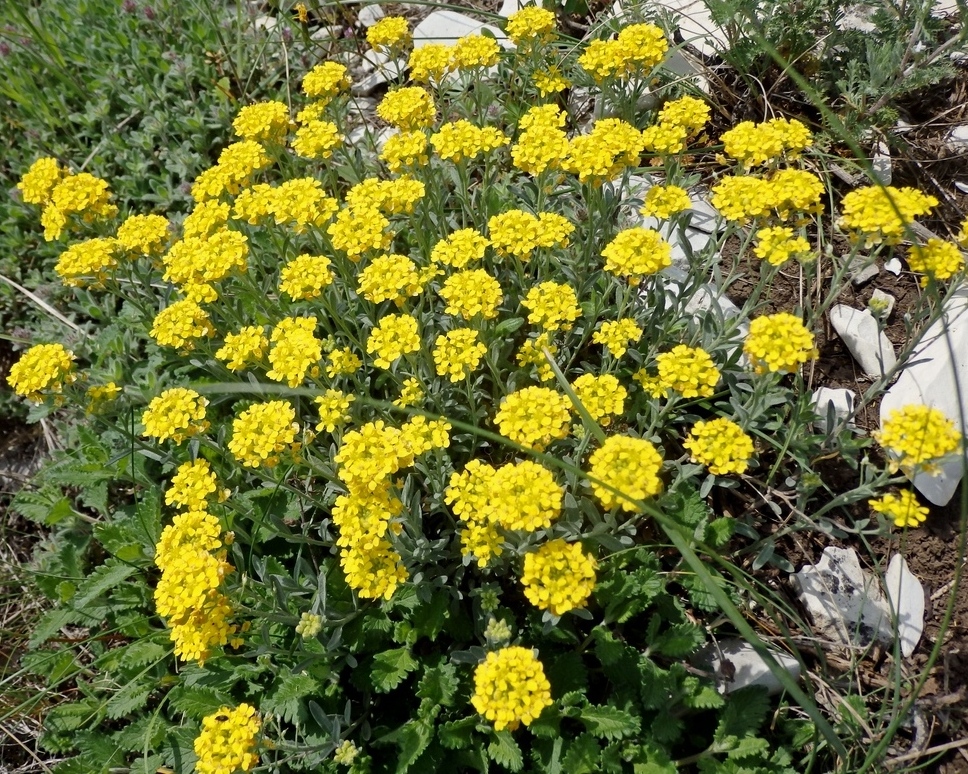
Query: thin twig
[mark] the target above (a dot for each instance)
(956, 745)
(42, 304)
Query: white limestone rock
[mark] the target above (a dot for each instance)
(513, 6)
(842, 400)
(957, 139)
(380, 69)
(864, 275)
(369, 15)
(863, 337)
(448, 26)
(936, 371)
(906, 596)
(843, 602)
(881, 163)
(746, 666)
(894, 266)
(881, 304)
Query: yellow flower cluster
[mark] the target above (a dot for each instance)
(602, 396)
(235, 167)
(411, 393)
(242, 349)
(334, 409)
(777, 244)
(534, 417)
(629, 465)
(342, 362)
(203, 260)
(938, 260)
(690, 113)
(317, 140)
(532, 354)
(616, 335)
(690, 371)
(431, 62)
(510, 688)
(471, 293)
(637, 49)
(266, 122)
(558, 577)
(39, 180)
(179, 324)
(530, 26)
(391, 33)
(394, 336)
(903, 508)
(359, 230)
(144, 234)
(294, 351)
(882, 214)
(740, 197)
(915, 435)
(461, 140)
(390, 196)
(389, 278)
(192, 486)
(305, 276)
(460, 248)
(721, 445)
(408, 108)
(605, 152)
(550, 82)
(664, 201)
(226, 743)
(754, 144)
(520, 233)
(206, 218)
(552, 306)
(542, 144)
(325, 81)
(473, 51)
(635, 252)
(42, 368)
(457, 353)
(263, 432)
(178, 414)
(87, 262)
(405, 150)
(71, 195)
(469, 494)
(778, 342)
(524, 496)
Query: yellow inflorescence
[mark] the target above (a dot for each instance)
(180, 324)
(778, 342)
(192, 486)
(334, 409)
(391, 33)
(534, 417)
(462, 140)
(317, 140)
(903, 508)
(882, 214)
(87, 262)
(262, 432)
(616, 335)
(721, 445)
(342, 362)
(42, 368)
(916, 435)
(227, 741)
(266, 122)
(243, 349)
(664, 201)
(778, 244)
(602, 396)
(520, 233)
(294, 351)
(144, 234)
(471, 293)
(637, 49)
(754, 144)
(305, 276)
(405, 150)
(178, 414)
(629, 465)
(532, 354)
(457, 353)
(326, 81)
(389, 278)
(635, 252)
(431, 62)
(408, 108)
(690, 371)
(394, 336)
(473, 51)
(530, 25)
(552, 306)
(558, 577)
(510, 688)
(937, 259)
(359, 230)
(38, 182)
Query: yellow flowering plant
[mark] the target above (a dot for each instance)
(390, 444)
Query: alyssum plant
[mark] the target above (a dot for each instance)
(383, 456)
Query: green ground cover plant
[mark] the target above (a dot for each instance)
(402, 460)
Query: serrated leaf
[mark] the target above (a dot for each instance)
(608, 649)
(679, 640)
(504, 751)
(103, 579)
(666, 729)
(582, 756)
(609, 722)
(70, 717)
(744, 712)
(390, 668)
(547, 724)
(748, 747)
(51, 623)
(196, 702)
(141, 652)
(720, 531)
(284, 698)
(413, 738)
(99, 751)
(706, 697)
(439, 684)
(457, 734)
(132, 696)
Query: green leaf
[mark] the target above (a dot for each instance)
(582, 756)
(505, 752)
(609, 722)
(131, 697)
(707, 697)
(679, 640)
(71, 717)
(508, 327)
(608, 649)
(439, 684)
(744, 712)
(52, 622)
(413, 739)
(197, 702)
(720, 531)
(103, 579)
(390, 668)
(284, 699)
(143, 652)
(748, 747)
(457, 734)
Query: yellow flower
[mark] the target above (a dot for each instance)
(178, 414)
(778, 342)
(520, 233)
(144, 234)
(616, 335)
(305, 277)
(263, 122)
(602, 396)
(720, 445)
(430, 62)
(207, 218)
(242, 349)
(558, 577)
(690, 371)
(394, 336)
(325, 81)
(665, 139)
(317, 140)
(754, 144)
(389, 278)
(534, 417)
(38, 182)
(471, 293)
(295, 352)
(540, 148)
(882, 214)
(227, 741)
(915, 435)
(191, 486)
(457, 353)
(41, 368)
(460, 139)
(404, 150)
(524, 496)
(550, 82)
(334, 409)
(742, 197)
(342, 362)
(408, 108)
(475, 51)
(510, 688)
(532, 354)
(903, 508)
(202, 260)
(552, 306)
(357, 231)
(391, 33)
(690, 113)
(635, 252)
(411, 393)
(530, 25)
(664, 201)
(87, 262)
(262, 432)
(469, 496)
(777, 245)
(629, 465)
(937, 260)
(179, 324)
